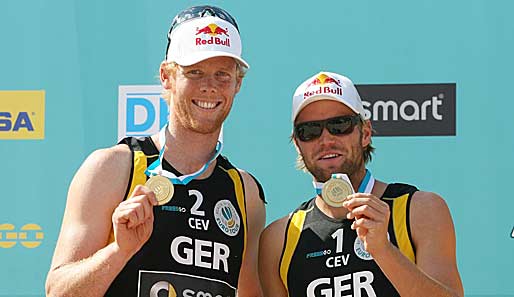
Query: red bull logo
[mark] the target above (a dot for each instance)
(324, 79)
(321, 80)
(214, 32)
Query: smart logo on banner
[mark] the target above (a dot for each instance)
(141, 110)
(22, 114)
(410, 109)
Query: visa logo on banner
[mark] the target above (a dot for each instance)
(22, 114)
(141, 110)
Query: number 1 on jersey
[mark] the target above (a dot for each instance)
(339, 236)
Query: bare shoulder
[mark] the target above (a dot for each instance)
(250, 183)
(254, 201)
(428, 202)
(430, 216)
(273, 236)
(270, 252)
(107, 166)
(95, 191)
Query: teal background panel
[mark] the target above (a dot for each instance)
(79, 52)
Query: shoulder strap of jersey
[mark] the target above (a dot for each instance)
(292, 236)
(398, 196)
(144, 153)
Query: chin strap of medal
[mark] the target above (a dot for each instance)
(155, 169)
(366, 185)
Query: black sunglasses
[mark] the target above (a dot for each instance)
(199, 12)
(341, 125)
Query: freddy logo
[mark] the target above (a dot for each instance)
(213, 32)
(326, 85)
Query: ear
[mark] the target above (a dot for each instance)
(296, 146)
(366, 133)
(167, 77)
(239, 82)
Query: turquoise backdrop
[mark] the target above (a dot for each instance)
(79, 52)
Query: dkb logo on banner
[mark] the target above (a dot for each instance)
(141, 110)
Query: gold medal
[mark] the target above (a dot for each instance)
(335, 191)
(162, 187)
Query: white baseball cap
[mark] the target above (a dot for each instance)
(203, 32)
(327, 86)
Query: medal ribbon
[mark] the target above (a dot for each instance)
(156, 167)
(366, 185)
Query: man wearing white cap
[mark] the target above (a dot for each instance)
(358, 236)
(167, 215)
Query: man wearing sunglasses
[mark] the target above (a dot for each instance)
(167, 215)
(358, 236)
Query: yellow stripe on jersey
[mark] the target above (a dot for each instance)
(293, 236)
(138, 176)
(400, 213)
(238, 187)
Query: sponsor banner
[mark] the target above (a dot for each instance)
(394, 109)
(22, 114)
(29, 236)
(410, 109)
(141, 110)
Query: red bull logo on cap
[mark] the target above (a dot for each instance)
(334, 86)
(213, 32)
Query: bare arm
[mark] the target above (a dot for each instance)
(272, 240)
(84, 263)
(435, 272)
(249, 279)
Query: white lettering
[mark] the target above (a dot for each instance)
(336, 261)
(192, 293)
(383, 109)
(366, 284)
(414, 115)
(339, 236)
(339, 287)
(315, 283)
(435, 104)
(198, 203)
(188, 260)
(198, 224)
(221, 253)
(341, 284)
(199, 244)
(200, 253)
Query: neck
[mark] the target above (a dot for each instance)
(357, 177)
(188, 150)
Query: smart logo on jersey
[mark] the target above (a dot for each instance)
(213, 32)
(323, 84)
(29, 235)
(226, 217)
(22, 114)
(171, 284)
(141, 110)
(163, 286)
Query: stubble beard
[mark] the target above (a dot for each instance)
(351, 165)
(201, 126)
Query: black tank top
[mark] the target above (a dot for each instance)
(198, 239)
(324, 257)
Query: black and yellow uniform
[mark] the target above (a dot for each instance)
(198, 239)
(324, 257)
